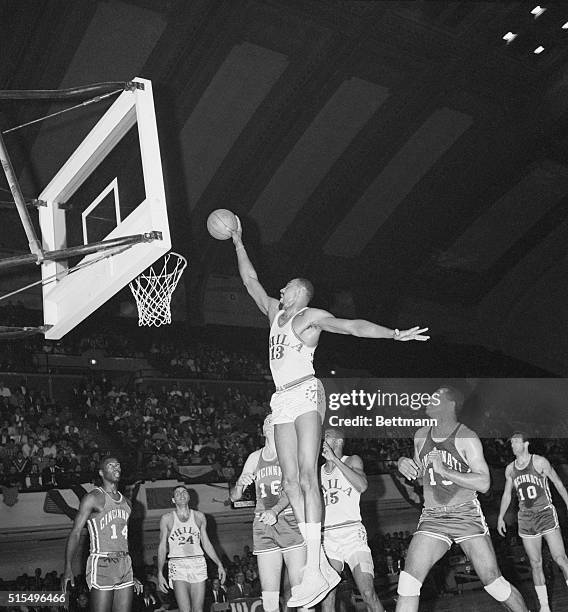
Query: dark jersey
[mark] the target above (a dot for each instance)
(439, 491)
(108, 529)
(268, 478)
(532, 487)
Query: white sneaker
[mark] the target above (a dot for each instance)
(312, 587)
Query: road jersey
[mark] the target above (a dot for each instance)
(185, 538)
(267, 480)
(290, 359)
(108, 529)
(532, 487)
(341, 498)
(438, 491)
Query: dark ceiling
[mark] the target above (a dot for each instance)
(398, 153)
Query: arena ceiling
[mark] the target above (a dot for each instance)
(400, 154)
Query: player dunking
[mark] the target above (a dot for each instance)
(449, 458)
(298, 405)
(344, 536)
(529, 475)
(276, 536)
(109, 567)
(182, 532)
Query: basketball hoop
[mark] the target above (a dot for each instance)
(153, 291)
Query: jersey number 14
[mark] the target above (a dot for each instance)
(114, 535)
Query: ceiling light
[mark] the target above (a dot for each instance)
(537, 11)
(509, 37)
(538, 50)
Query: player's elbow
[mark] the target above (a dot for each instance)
(485, 484)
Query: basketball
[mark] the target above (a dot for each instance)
(220, 223)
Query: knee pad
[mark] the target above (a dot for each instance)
(499, 589)
(408, 586)
(270, 601)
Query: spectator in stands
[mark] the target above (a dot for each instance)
(216, 594)
(240, 588)
(50, 474)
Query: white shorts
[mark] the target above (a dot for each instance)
(289, 404)
(187, 569)
(348, 543)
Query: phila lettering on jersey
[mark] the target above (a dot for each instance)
(185, 538)
(341, 498)
(290, 359)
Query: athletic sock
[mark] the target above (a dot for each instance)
(313, 543)
(542, 594)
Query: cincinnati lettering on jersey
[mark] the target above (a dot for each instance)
(269, 470)
(530, 479)
(113, 514)
(449, 460)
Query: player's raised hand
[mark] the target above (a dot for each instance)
(501, 526)
(408, 468)
(414, 333)
(237, 235)
(245, 479)
(327, 452)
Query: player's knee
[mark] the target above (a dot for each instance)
(536, 564)
(308, 481)
(408, 585)
(561, 560)
(499, 589)
(270, 601)
(291, 487)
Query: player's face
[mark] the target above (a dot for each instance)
(439, 404)
(332, 439)
(111, 470)
(288, 294)
(181, 497)
(517, 445)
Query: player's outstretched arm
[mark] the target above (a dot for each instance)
(543, 465)
(266, 304)
(365, 329)
(86, 507)
(246, 478)
(505, 502)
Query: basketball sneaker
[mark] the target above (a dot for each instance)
(313, 587)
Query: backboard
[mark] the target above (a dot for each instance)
(110, 187)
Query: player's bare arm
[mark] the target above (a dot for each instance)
(201, 522)
(351, 468)
(270, 516)
(469, 446)
(266, 304)
(166, 523)
(543, 466)
(505, 500)
(318, 320)
(92, 502)
(247, 476)
(412, 468)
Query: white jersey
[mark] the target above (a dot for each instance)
(290, 359)
(185, 538)
(341, 498)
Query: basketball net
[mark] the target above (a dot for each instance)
(153, 291)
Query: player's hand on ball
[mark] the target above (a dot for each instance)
(162, 584)
(237, 234)
(415, 333)
(268, 517)
(501, 526)
(408, 468)
(245, 479)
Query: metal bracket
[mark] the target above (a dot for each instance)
(38, 203)
(153, 235)
(132, 85)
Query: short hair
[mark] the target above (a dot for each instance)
(179, 487)
(336, 431)
(307, 286)
(454, 395)
(106, 460)
(520, 434)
